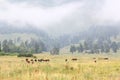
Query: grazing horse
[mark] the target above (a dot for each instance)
(95, 61)
(32, 62)
(31, 59)
(103, 58)
(74, 59)
(35, 60)
(27, 61)
(46, 60)
(40, 60)
(66, 60)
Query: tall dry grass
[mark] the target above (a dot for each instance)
(13, 68)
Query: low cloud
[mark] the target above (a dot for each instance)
(109, 13)
(39, 16)
(64, 17)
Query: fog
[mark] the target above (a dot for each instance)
(63, 16)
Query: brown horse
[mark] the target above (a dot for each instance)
(103, 58)
(74, 59)
(27, 61)
(66, 60)
(46, 60)
(40, 60)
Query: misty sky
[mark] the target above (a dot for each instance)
(59, 15)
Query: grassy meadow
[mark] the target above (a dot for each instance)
(14, 68)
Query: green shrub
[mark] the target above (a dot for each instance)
(7, 54)
(25, 55)
(3, 54)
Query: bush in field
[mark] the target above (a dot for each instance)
(3, 54)
(25, 55)
(7, 54)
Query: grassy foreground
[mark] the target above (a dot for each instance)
(14, 68)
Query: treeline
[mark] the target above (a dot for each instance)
(97, 46)
(92, 33)
(28, 46)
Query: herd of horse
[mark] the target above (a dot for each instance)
(44, 60)
(95, 59)
(36, 60)
(66, 60)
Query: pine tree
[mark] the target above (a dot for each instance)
(0, 46)
(72, 49)
(114, 46)
(80, 48)
(5, 46)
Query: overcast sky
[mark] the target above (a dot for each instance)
(59, 15)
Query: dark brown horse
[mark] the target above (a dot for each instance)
(66, 60)
(46, 60)
(27, 61)
(40, 60)
(103, 58)
(74, 59)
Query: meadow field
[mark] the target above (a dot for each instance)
(14, 68)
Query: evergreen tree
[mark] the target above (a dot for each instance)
(114, 46)
(86, 45)
(72, 49)
(22, 48)
(11, 46)
(95, 48)
(0, 47)
(5, 46)
(80, 48)
(106, 47)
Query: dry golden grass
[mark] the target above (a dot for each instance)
(13, 68)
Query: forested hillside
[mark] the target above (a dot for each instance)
(96, 39)
(23, 40)
(99, 39)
